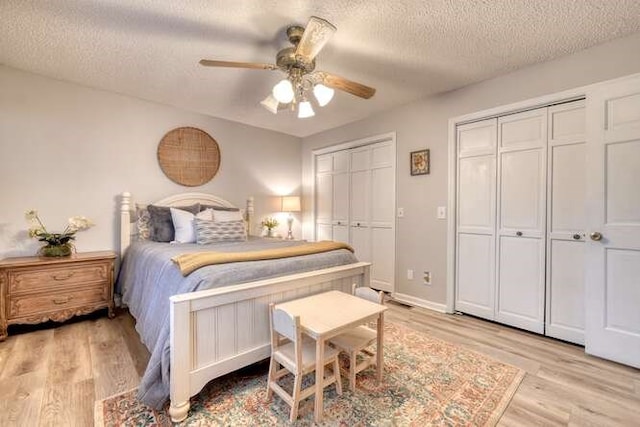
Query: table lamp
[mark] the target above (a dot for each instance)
(290, 204)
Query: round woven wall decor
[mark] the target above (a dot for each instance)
(189, 156)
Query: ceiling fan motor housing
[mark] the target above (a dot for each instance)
(287, 59)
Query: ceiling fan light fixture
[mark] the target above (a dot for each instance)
(283, 91)
(323, 94)
(270, 103)
(305, 110)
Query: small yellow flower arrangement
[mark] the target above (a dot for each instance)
(269, 223)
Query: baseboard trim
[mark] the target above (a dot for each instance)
(417, 302)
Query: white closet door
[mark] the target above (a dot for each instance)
(613, 248)
(476, 207)
(522, 160)
(360, 202)
(566, 222)
(382, 216)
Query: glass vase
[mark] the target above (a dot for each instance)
(63, 250)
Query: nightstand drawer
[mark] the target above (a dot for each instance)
(54, 276)
(20, 306)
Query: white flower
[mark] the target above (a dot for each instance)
(31, 215)
(79, 223)
(36, 230)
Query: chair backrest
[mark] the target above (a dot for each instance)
(367, 293)
(288, 326)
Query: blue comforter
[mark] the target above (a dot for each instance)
(148, 278)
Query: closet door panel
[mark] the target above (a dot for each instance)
(324, 198)
(340, 233)
(361, 243)
(476, 218)
(324, 232)
(477, 194)
(521, 237)
(475, 290)
(382, 258)
(340, 161)
(565, 298)
(521, 283)
(567, 187)
(360, 197)
(476, 139)
(340, 198)
(382, 197)
(523, 130)
(521, 190)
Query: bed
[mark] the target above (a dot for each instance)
(212, 322)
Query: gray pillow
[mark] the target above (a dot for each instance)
(160, 222)
(218, 208)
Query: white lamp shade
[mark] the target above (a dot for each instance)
(271, 104)
(283, 91)
(291, 204)
(323, 94)
(305, 110)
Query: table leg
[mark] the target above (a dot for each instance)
(318, 409)
(380, 347)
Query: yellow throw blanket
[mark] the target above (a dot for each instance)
(188, 263)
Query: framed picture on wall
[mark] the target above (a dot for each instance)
(420, 162)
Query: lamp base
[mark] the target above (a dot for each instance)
(290, 224)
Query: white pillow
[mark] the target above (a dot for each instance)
(184, 224)
(224, 216)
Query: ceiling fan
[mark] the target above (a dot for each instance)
(298, 62)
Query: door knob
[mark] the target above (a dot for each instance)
(596, 236)
(576, 236)
(358, 224)
(518, 233)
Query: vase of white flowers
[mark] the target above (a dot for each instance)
(57, 244)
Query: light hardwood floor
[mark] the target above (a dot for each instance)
(52, 376)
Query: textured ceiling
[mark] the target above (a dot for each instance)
(406, 49)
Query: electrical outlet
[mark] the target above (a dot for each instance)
(426, 277)
(410, 274)
(400, 212)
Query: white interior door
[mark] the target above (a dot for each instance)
(476, 210)
(566, 222)
(522, 147)
(613, 248)
(360, 228)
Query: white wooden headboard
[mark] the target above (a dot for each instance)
(127, 207)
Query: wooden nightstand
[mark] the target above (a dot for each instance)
(37, 289)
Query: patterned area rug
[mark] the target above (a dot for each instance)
(427, 381)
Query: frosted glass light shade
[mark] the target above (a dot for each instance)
(270, 103)
(290, 204)
(323, 94)
(305, 110)
(283, 91)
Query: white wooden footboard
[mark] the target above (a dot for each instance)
(217, 331)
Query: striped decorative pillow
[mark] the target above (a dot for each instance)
(220, 231)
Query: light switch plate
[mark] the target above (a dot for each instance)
(400, 212)
(442, 212)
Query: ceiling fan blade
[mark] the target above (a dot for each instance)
(337, 82)
(316, 34)
(234, 64)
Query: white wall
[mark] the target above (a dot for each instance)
(421, 238)
(70, 150)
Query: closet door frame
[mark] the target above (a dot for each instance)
(531, 104)
(386, 137)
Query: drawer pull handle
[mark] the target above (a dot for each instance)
(61, 300)
(63, 276)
